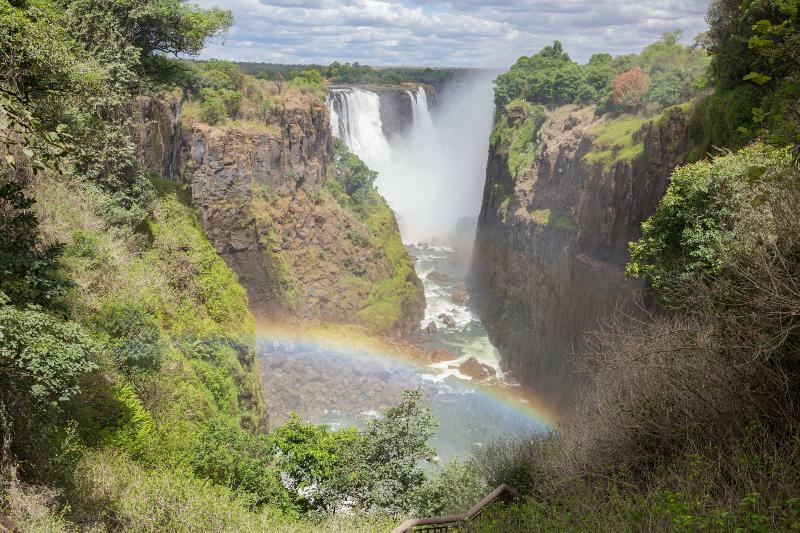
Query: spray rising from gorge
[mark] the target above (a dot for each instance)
(432, 174)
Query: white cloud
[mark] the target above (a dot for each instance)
(489, 33)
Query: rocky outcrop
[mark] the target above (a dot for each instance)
(259, 197)
(397, 111)
(552, 243)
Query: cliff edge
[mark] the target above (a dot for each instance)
(565, 192)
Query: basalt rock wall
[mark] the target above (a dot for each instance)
(552, 242)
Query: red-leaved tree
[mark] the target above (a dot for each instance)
(630, 87)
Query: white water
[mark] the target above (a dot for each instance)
(434, 175)
(360, 125)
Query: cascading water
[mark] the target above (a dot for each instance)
(431, 176)
(356, 120)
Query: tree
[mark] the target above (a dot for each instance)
(41, 358)
(629, 88)
(385, 462)
(30, 272)
(155, 29)
(311, 460)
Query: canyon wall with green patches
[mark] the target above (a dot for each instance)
(266, 201)
(565, 193)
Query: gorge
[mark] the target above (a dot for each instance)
(257, 296)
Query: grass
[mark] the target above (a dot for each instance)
(614, 141)
(515, 134)
(546, 217)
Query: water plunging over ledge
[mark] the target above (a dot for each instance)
(431, 176)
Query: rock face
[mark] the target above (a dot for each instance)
(552, 244)
(259, 201)
(397, 111)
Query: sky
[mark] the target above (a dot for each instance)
(466, 33)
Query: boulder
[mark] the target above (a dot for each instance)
(476, 370)
(438, 277)
(460, 296)
(431, 328)
(448, 320)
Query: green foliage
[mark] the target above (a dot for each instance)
(231, 457)
(349, 73)
(311, 80)
(77, 68)
(385, 462)
(134, 336)
(755, 43)
(353, 178)
(312, 460)
(218, 75)
(41, 358)
(515, 134)
(722, 120)
(31, 272)
(551, 78)
(692, 231)
(212, 108)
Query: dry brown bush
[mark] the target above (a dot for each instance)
(721, 379)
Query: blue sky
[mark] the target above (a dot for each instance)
(471, 33)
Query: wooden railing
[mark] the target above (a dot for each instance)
(441, 524)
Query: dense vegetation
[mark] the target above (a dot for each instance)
(338, 72)
(690, 422)
(129, 389)
(664, 74)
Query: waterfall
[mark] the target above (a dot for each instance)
(356, 120)
(433, 175)
(421, 112)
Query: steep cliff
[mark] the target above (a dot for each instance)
(260, 191)
(565, 192)
(397, 107)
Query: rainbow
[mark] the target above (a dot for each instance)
(352, 342)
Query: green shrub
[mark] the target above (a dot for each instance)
(229, 456)
(723, 120)
(692, 231)
(384, 465)
(42, 359)
(312, 460)
(133, 335)
(212, 107)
